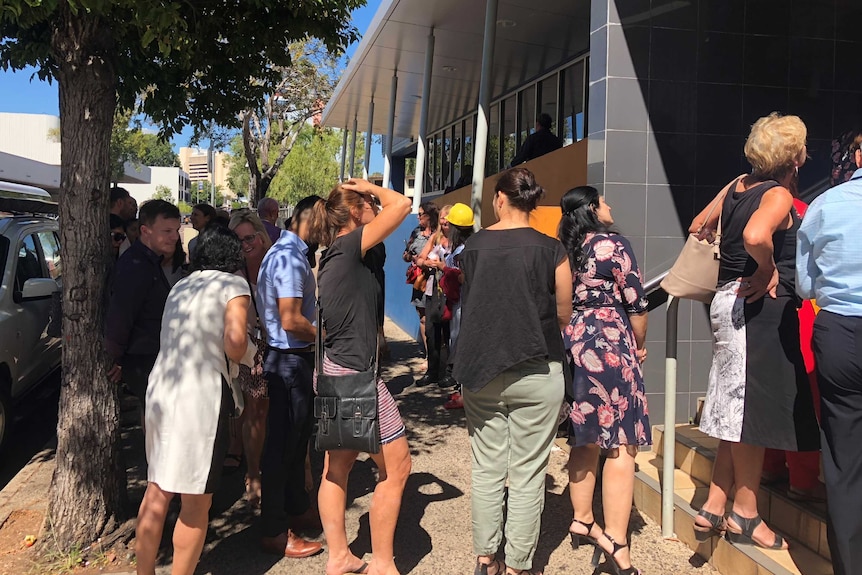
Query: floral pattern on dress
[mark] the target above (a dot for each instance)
(609, 407)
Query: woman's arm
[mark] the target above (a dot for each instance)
(772, 215)
(705, 223)
(563, 291)
(423, 255)
(394, 209)
(236, 328)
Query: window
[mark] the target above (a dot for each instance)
(28, 263)
(446, 160)
(469, 130)
(457, 151)
(527, 119)
(509, 111)
(492, 159)
(51, 253)
(573, 128)
(548, 100)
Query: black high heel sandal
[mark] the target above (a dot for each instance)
(717, 526)
(588, 539)
(611, 558)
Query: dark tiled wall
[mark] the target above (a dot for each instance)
(674, 88)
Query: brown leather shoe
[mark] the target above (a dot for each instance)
(289, 545)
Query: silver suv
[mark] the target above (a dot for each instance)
(31, 273)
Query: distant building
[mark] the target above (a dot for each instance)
(30, 152)
(175, 179)
(195, 162)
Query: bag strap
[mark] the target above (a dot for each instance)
(318, 347)
(715, 203)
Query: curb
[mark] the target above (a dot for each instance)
(29, 488)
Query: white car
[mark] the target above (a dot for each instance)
(31, 273)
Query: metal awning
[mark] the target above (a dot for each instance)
(532, 37)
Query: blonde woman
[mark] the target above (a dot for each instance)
(758, 394)
(255, 243)
(433, 259)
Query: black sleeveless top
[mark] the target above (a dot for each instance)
(735, 261)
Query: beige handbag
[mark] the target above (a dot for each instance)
(694, 275)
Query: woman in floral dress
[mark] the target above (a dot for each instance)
(605, 345)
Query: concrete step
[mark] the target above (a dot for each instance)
(803, 523)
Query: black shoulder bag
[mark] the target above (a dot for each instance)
(345, 406)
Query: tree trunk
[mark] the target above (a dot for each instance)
(87, 497)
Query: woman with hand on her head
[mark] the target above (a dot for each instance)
(347, 222)
(605, 342)
(758, 394)
(187, 410)
(517, 297)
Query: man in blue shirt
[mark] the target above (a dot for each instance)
(829, 269)
(286, 296)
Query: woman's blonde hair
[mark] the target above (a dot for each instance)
(248, 217)
(330, 216)
(439, 235)
(775, 145)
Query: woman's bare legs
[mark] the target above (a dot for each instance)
(190, 532)
(583, 462)
(332, 501)
(393, 464)
(253, 436)
(747, 467)
(151, 523)
(721, 486)
(618, 485)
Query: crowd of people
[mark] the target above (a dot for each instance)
(531, 331)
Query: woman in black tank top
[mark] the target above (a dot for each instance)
(758, 394)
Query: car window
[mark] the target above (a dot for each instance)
(28, 262)
(51, 252)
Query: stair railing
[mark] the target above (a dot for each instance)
(670, 377)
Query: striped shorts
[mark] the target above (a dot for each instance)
(391, 425)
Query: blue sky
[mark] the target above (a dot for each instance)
(23, 92)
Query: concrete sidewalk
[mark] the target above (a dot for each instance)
(434, 530)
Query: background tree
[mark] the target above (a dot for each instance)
(177, 63)
(312, 167)
(271, 127)
(164, 193)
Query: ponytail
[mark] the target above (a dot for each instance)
(329, 216)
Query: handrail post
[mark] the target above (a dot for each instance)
(669, 451)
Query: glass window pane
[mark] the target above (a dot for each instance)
(438, 161)
(457, 152)
(548, 100)
(446, 158)
(573, 104)
(510, 108)
(528, 113)
(28, 266)
(467, 164)
(492, 158)
(51, 252)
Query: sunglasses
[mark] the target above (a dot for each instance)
(248, 239)
(118, 237)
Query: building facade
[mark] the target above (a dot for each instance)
(175, 180)
(200, 167)
(653, 100)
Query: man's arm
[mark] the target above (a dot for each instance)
(292, 320)
(130, 287)
(523, 153)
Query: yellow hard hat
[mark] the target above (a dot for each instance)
(460, 215)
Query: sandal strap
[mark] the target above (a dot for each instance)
(617, 546)
(715, 521)
(746, 524)
(588, 526)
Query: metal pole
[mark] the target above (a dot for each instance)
(390, 133)
(343, 154)
(480, 142)
(353, 146)
(367, 166)
(669, 448)
(421, 152)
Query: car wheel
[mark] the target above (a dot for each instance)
(5, 416)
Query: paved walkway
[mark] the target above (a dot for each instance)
(434, 531)
(433, 535)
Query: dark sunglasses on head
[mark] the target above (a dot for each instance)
(118, 237)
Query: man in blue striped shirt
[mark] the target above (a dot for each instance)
(829, 269)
